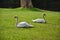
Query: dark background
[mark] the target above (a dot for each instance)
(42, 4)
(9, 3)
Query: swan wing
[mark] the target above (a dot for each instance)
(23, 24)
(38, 20)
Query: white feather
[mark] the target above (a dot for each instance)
(24, 24)
(39, 20)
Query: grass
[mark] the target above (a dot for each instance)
(48, 31)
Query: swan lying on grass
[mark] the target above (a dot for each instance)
(22, 24)
(43, 20)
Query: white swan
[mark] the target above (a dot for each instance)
(43, 20)
(22, 24)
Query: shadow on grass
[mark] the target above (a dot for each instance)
(25, 27)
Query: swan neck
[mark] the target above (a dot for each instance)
(16, 21)
(44, 17)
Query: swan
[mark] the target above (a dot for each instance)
(42, 20)
(22, 24)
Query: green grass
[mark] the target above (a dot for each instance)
(48, 31)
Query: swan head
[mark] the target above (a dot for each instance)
(44, 14)
(15, 16)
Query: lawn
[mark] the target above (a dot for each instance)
(41, 31)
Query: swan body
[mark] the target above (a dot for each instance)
(24, 24)
(39, 20)
(43, 20)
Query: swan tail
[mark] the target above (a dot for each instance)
(33, 20)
